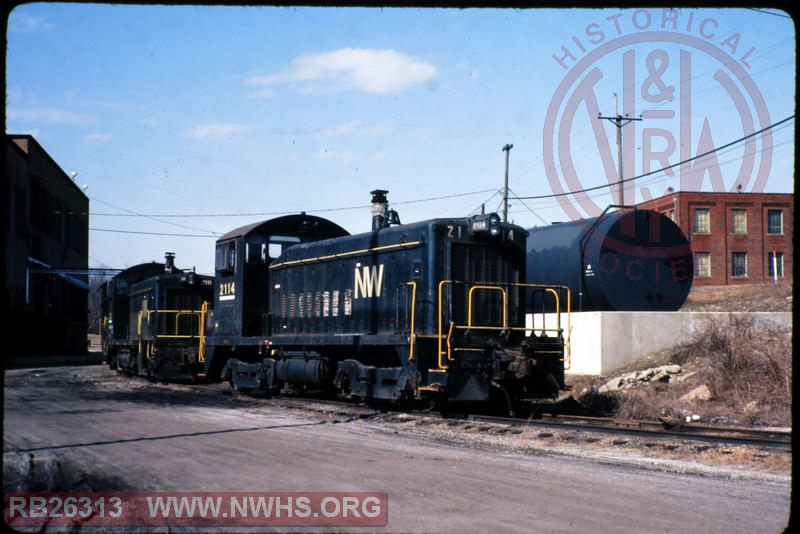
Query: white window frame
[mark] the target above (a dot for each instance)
(734, 256)
(702, 269)
(739, 227)
(706, 220)
(780, 214)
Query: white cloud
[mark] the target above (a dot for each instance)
(355, 127)
(217, 131)
(26, 23)
(373, 71)
(49, 115)
(96, 139)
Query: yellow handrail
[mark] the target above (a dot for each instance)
(413, 337)
(201, 351)
(554, 289)
(491, 288)
(449, 345)
(567, 359)
(439, 324)
(178, 314)
(139, 331)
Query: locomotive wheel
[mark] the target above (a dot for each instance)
(408, 400)
(500, 400)
(242, 390)
(111, 360)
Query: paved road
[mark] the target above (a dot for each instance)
(90, 430)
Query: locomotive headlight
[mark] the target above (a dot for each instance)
(485, 224)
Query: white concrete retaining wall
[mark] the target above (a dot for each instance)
(602, 342)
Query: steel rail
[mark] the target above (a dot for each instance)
(778, 438)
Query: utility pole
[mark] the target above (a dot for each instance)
(619, 121)
(506, 149)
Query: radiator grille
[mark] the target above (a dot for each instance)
(482, 265)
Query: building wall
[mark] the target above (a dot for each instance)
(604, 342)
(724, 243)
(46, 226)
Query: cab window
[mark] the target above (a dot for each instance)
(256, 252)
(279, 243)
(226, 257)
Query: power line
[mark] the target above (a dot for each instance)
(215, 234)
(529, 208)
(645, 175)
(276, 213)
(494, 191)
(764, 11)
(429, 199)
(151, 217)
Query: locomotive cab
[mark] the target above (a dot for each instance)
(240, 320)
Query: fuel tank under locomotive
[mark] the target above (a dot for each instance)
(632, 260)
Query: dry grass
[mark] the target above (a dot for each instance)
(767, 297)
(747, 368)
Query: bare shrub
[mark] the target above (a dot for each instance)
(747, 365)
(599, 404)
(750, 364)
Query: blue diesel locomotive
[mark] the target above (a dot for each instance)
(427, 310)
(153, 320)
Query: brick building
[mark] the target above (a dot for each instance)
(46, 245)
(736, 238)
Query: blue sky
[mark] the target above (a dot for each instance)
(186, 122)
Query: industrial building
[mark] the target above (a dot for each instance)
(736, 238)
(46, 243)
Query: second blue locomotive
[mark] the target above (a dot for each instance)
(433, 309)
(153, 318)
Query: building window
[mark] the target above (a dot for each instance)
(672, 215)
(702, 265)
(739, 264)
(738, 222)
(774, 221)
(775, 260)
(702, 221)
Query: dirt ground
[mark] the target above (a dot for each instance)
(85, 428)
(769, 297)
(655, 400)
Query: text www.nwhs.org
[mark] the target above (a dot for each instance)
(197, 508)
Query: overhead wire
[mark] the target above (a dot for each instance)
(653, 175)
(663, 169)
(580, 152)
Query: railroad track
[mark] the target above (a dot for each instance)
(674, 429)
(773, 438)
(777, 439)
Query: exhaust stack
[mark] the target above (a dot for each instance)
(169, 262)
(382, 216)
